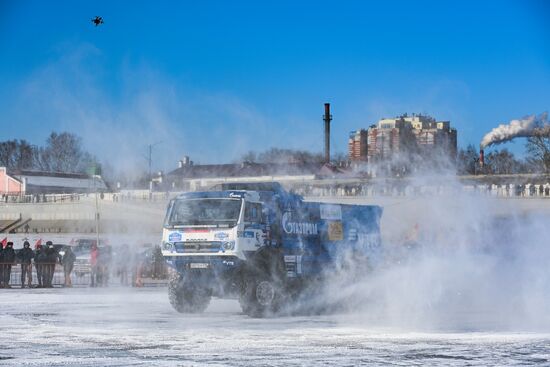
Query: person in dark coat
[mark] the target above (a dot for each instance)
(1, 265)
(49, 264)
(158, 263)
(8, 258)
(122, 260)
(68, 264)
(39, 258)
(25, 257)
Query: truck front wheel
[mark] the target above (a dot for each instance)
(187, 297)
(261, 297)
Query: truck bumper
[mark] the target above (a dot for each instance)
(218, 273)
(214, 264)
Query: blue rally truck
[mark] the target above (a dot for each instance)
(261, 244)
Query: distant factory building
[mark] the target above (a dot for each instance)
(190, 176)
(415, 134)
(36, 182)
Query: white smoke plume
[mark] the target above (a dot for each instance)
(523, 128)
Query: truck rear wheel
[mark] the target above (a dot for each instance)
(261, 297)
(187, 297)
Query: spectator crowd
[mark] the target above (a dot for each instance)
(100, 263)
(44, 259)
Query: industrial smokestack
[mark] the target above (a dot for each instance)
(481, 158)
(327, 119)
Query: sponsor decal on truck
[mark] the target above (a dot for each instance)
(175, 237)
(330, 211)
(300, 228)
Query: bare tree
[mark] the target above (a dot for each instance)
(467, 160)
(8, 151)
(63, 153)
(502, 162)
(25, 155)
(250, 156)
(16, 154)
(538, 149)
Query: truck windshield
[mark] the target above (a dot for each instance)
(197, 212)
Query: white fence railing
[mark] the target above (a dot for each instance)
(321, 190)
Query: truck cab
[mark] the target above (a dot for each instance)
(205, 229)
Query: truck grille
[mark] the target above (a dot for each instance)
(201, 247)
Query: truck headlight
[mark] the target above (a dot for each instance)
(230, 245)
(167, 246)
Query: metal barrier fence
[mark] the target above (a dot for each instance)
(58, 279)
(39, 198)
(82, 277)
(400, 189)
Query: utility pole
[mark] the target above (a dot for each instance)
(150, 158)
(96, 211)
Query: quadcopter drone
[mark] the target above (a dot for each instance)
(97, 21)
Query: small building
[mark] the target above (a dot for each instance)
(9, 185)
(23, 182)
(189, 176)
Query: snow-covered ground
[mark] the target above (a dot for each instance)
(466, 282)
(129, 327)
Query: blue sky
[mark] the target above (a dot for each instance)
(214, 79)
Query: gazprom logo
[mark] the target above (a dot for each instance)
(303, 228)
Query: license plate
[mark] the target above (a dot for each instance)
(198, 265)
